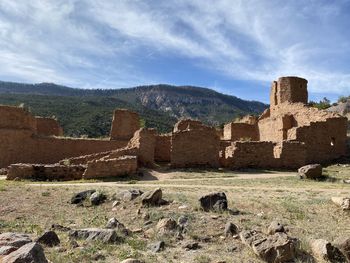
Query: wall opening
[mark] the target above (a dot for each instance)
(332, 141)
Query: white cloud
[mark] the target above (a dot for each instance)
(97, 43)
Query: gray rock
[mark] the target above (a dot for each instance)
(29, 253)
(214, 202)
(343, 202)
(152, 198)
(97, 198)
(191, 245)
(49, 238)
(5, 250)
(311, 171)
(14, 239)
(113, 223)
(81, 197)
(115, 204)
(272, 248)
(275, 227)
(166, 225)
(230, 229)
(324, 250)
(182, 221)
(131, 260)
(344, 245)
(157, 246)
(93, 234)
(129, 195)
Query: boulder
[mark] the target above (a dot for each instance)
(93, 234)
(5, 250)
(97, 198)
(344, 245)
(113, 223)
(129, 195)
(81, 197)
(274, 248)
(214, 202)
(152, 198)
(29, 253)
(324, 250)
(275, 227)
(14, 239)
(343, 202)
(166, 225)
(311, 171)
(230, 229)
(49, 238)
(157, 246)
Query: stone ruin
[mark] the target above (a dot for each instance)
(288, 134)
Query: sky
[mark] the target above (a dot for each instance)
(236, 47)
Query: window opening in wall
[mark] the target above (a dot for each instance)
(332, 141)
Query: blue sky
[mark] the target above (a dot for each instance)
(233, 46)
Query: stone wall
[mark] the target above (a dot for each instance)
(48, 127)
(125, 165)
(197, 147)
(40, 172)
(241, 131)
(186, 124)
(124, 124)
(288, 89)
(162, 148)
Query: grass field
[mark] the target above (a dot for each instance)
(260, 196)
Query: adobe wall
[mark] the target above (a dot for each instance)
(145, 141)
(162, 148)
(185, 124)
(124, 124)
(16, 118)
(125, 165)
(41, 172)
(48, 127)
(197, 147)
(21, 146)
(288, 89)
(241, 131)
(290, 154)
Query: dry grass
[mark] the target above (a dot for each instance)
(303, 206)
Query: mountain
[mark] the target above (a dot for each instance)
(88, 112)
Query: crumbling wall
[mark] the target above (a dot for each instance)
(55, 172)
(16, 118)
(249, 154)
(124, 124)
(48, 127)
(186, 124)
(275, 128)
(125, 165)
(162, 148)
(145, 141)
(241, 131)
(288, 89)
(195, 147)
(290, 154)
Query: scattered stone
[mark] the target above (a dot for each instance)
(149, 222)
(273, 248)
(5, 250)
(191, 245)
(344, 245)
(115, 204)
(98, 256)
(343, 202)
(81, 197)
(14, 239)
(131, 260)
(230, 229)
(324, 250)
(311, 171)
(157, 246)
(166, 225)
(113, 223)
(129, 195)
(275, 227)
(49, 238)
(346, 181)
(60, 228)
(137, 230)
(97, 198)
(146, 216)
(93, 234)
(214, 202)
(73, 243)
(29, 253)
(152, 198)
(182, 221)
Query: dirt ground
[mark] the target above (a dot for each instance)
(303, 206)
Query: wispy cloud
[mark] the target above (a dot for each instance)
(106, 44)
